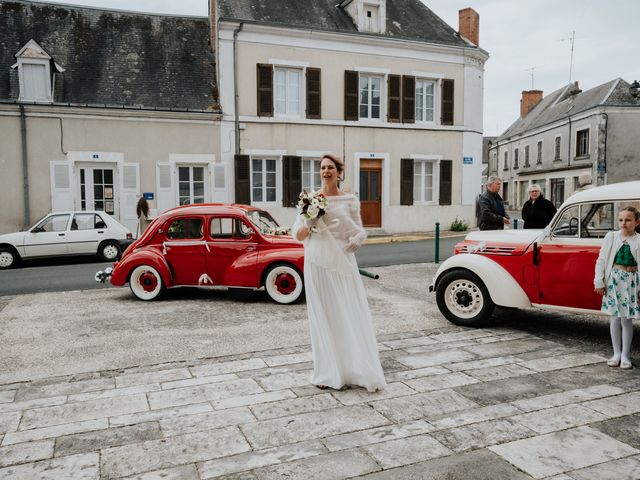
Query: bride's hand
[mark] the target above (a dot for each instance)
(352, 246)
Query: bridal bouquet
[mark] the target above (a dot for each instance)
(276, 231)
(312, 206)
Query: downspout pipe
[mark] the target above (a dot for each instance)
(26, 217)
(236, 96)
(606, 133)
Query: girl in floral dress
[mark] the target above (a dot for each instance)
(617, 279)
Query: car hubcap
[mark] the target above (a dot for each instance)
(464, 298)
(148, 281)
(285, 283)
(110, 251)
(6, 259)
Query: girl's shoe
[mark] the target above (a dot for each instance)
(626, 365)
(613, 362)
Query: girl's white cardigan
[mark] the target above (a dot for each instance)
(610, 246)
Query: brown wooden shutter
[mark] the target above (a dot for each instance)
(350, 95)
(243, 184)
(447, 102)
(394, 114)
(291, 180)
(314, 109)
(408, 99)
(265, 90)
(445, 182)
(406, 181)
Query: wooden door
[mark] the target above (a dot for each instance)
(371, 192)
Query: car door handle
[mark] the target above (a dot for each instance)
(100, 231)
(61, 234)
(250, 248)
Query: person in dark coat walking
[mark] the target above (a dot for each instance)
(537, 212)
(490, 210)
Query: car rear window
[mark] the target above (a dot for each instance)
(185, 228)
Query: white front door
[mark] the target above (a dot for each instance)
(97, 187)
(49, 237)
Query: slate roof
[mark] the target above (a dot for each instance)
(563, 104)
(406, 19)
(113, 57)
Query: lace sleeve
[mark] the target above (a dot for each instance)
(359, 235)
(299, 223)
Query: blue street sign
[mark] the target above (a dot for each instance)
(148, 195)
(467, 160)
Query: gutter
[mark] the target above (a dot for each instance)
(26, 218)
(235, 85)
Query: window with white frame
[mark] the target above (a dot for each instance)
(556, 149)
(526, 156)
(34, 73)
(263, 180)
(288, 91)
(506, 161)
(191, 185)
(582, 142)
(311, 174)
(425, 100)
(424, 172)
(515, 158)
(370, 96)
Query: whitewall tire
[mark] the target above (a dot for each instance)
(283, 283)
(146, 283)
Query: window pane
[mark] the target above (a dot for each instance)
(256, 165)
(271, 165)
(567, 225)
(198, 174)
(198, 199)
(375, 187)
(257, 195)
(183, 189)
(185, 228)
(271, 194)
(183, 174)
(271, 180)
(98, 192)
(417, 185)
(375, 111)
(108, 176)
(306, 181)
(364, 186)
(198, 189)
(97, 176)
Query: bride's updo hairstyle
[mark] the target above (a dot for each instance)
(337, 162)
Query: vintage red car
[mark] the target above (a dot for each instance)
(213, 245)
(551, 269)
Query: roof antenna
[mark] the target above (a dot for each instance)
(531, 71)
(573, 41)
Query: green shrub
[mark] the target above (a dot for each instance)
(459, 225)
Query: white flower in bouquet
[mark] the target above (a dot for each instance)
(312, 205)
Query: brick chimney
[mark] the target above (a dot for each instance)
(469, 25)
(530, 98)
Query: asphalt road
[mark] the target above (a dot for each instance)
(77, 273)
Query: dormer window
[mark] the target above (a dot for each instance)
(34, 72)
(367, 15)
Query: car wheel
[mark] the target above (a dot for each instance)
(146, 283)
(109, 251)
(463, 298)
(283, 283)
(8, 258)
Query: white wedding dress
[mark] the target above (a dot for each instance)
(343, 341)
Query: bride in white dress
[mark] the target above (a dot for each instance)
(343, 342)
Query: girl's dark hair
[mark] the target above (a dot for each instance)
(142, 207)
(636, 215)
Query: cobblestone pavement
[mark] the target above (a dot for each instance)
(100, 386)
(491, 404)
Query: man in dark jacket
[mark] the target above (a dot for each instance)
(491, 213)
(537, 212)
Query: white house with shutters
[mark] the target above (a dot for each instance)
(239, 107)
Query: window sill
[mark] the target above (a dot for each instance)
(425, 204)
(582, 157)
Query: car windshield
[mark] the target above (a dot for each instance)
(262, 220)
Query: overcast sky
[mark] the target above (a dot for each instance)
(519, 35)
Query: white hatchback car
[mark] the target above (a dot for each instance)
(66, 233)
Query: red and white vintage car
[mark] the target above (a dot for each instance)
(212, 245)
(551, 268)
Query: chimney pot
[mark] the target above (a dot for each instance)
(530, 98)
(469, 25)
